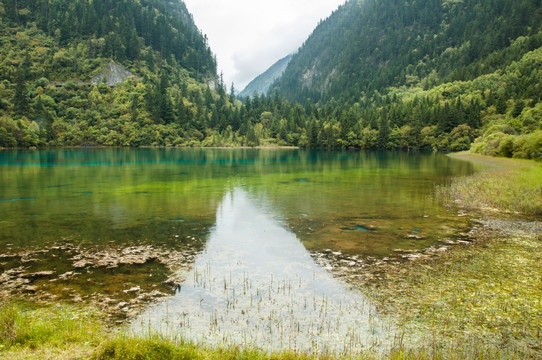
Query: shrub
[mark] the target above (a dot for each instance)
(529, 146)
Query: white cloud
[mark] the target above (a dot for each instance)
(248, 36)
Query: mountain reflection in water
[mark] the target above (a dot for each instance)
(256, 285)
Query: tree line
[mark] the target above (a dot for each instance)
(47, 99)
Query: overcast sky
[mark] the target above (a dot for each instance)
(248, 36)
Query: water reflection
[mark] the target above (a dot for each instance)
(255, 284)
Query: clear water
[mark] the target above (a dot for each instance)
(258, 286)
(251, 220)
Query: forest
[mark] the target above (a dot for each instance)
(447, 75)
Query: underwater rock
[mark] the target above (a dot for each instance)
(67, 275)
(132, 289)
(4, 277)
(82, 264)
(39, 274)
(90, 262)
(30, 288)
(155, 294)
(415, 236)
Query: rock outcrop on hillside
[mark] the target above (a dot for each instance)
(112, 74)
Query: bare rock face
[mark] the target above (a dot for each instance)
(112, 74)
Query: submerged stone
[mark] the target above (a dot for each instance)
(363, 228)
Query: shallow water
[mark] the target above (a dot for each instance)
(236, 230)
(256, 285)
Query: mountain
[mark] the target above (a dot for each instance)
(107, 72)
(124, 30)
(368, 46)
(447, 75)
(260, 85)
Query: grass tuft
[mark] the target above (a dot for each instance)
(128, 348)
(9, 324)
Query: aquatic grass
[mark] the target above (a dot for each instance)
(478, 298)
(503, 185)
(272, 314)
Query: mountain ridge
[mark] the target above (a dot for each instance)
(261, 83)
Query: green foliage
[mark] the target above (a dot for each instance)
(429, 75)
(368, 46)
(34, 327)
(123, 30)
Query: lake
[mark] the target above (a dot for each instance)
(223, 246)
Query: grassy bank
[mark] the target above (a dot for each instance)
(479, 299)
(29, 331)
(500, 185)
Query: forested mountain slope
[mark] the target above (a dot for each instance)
(124, 30)
(370, 45)
(52, 49)
(260, 85)
(435, 74)
(438, 74)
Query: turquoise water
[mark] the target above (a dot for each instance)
(117, 195)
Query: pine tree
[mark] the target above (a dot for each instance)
(20, 99)
(383, 132)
